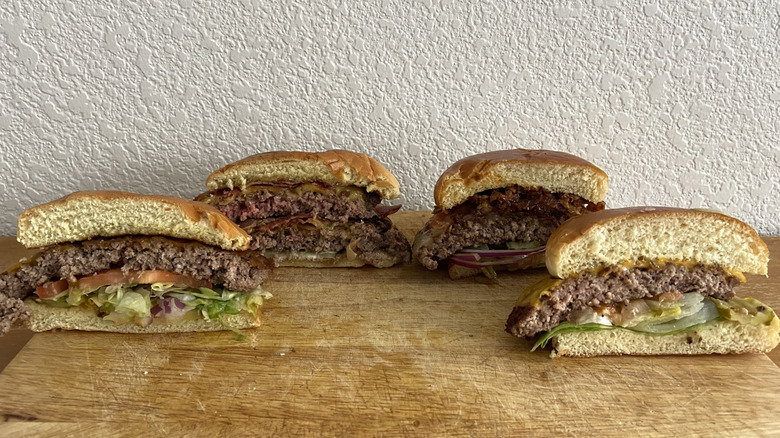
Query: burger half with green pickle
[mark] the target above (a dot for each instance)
(648, 281)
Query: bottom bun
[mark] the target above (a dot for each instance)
(339, 261)
(721, 337)
(46, 317)
(457, 272)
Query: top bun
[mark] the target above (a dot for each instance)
(335, 167)
(557, 172)
(84, 215)
(608, 237)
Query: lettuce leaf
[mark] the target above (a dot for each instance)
(133, 302)
(712, 310)
(568, 327)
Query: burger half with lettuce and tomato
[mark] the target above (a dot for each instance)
(122, 262)
(495, 211)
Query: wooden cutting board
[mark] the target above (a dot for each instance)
(400, 351)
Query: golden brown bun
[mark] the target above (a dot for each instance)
(558, 172)
(335, 167)
(721, 337)
(609, 237)
(84, 215)
(78, 318)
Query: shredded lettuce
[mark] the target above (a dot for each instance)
(568, 327)
(123, 304)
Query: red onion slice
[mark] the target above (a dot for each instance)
(480, 258)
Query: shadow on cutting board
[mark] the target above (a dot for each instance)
(11, 344)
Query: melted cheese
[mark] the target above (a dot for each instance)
(532, 295)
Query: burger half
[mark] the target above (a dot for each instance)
(122, 262)
(647, 281)
(496, 210)
(313, 209)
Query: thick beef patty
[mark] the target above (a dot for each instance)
(497, 216)
(316, 199)
(618, 285)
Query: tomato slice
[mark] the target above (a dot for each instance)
(117, 276)
(52, 288)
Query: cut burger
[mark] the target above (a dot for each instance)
(314, 209)
(647, 281)
(495, 211)
(123, 262)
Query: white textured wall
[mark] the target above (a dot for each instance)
(677, 101)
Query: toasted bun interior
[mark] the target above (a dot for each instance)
(609, 237)
(558, 172)
(721, 337)
(84, 215)
(78, 318)
(335, 167)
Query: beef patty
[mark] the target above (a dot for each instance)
(262, 201)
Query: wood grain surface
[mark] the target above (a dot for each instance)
(400, 351)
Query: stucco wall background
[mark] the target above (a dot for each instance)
(676, 101)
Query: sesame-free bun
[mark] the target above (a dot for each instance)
(334, 167)
(557, 172)
(84, 215)
(45, 317)
(720, 337)
(609, 237)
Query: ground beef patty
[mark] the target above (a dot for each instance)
(485, 230)
(618, 285)
(239, 271)
(372, 241)
(273, 202)
(494, 217)
(11, 311)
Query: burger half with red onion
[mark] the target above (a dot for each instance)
(495, 211)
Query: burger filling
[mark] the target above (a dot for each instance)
(314, 221)
(141, 297)
(650, 297)
(501, 219)
(132, 278)
(376, 242)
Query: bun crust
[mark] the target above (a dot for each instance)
(84, 215)
(335, 167)
(722, 337)
(46, 318)
(609, 237)
(555, 171)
